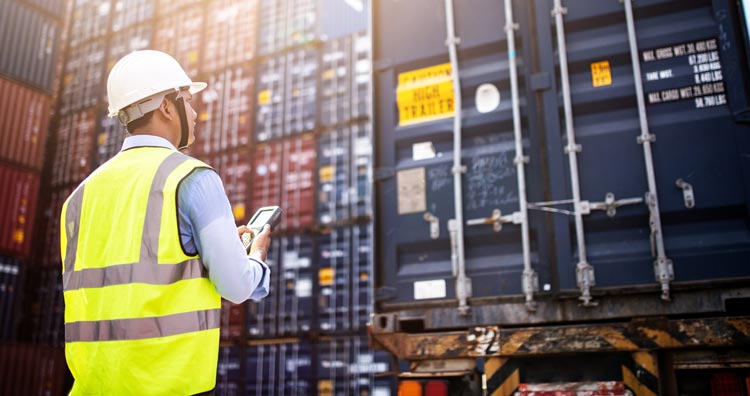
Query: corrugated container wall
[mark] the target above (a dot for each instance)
(230, 36)
(24, 117)
(180, 34)
(17, 210)
(90, 20)
(71, 161)
(289, 23)
(694, 230)
(11, 272)
(31, 43)
(225, 111)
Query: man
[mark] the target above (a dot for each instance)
(149, 247)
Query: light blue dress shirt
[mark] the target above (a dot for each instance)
(207, 227)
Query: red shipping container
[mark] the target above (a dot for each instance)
(180, 35)
(17, 207)
(298, 183)
(234, 168)
(31, 370)
(225, 111)
(24, 116)
(74, 148)
(232, 320)
(284, 175)
(230, 33)
(266, 177)
(726, 384)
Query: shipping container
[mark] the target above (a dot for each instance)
(11, 282)
(603, 188)
(180, 34)
(126, 13)
(280, 369)
(55, 8)
(83, 78)
(74, 148)
(344, 174)
(300, 99)
(229, 372)
(234, 168)
(619, 242)
(345, 80)
(31, 44)
(269, 111)
(295, 290)
(232, 320)
(50, 252)
(283, 175)
(345, 279)
(27, 369)
(262, 316)
(17, 210)
(109, 137)
(169, 7)
(363, 280)
(225, 111)
(126, 41)
(24, 116)
(333, 281)
(347, 366)
(289, 23)
(47, 311)
(90, 20)
(287, 89)
(230, 36)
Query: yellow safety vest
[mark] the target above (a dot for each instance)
(141, 315)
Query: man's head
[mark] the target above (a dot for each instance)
(149, 92)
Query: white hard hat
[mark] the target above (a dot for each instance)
(142, 75)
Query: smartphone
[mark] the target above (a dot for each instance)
(270, 215)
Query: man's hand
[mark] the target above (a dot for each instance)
(261, 242)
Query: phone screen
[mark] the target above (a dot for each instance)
(262, 218)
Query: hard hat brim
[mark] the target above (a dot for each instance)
(197, 87)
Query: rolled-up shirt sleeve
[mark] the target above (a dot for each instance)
(207, 227)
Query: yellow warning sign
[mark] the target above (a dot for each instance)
(601, 74)
(326, 173)
(325, 276)
(239, 211)
(425, 94)
(264, 96)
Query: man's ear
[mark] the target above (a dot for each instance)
(165, 109)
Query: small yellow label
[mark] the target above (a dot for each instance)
(239, 211)
(264, 96)
(21, 219)
(325, 276)
(326, 173)
(18, 236)
(204, 116)
(601, 74)
(425, 94)
(329, 74)
(101, 140)
(193, 57)
(364, 276)
(325, 388)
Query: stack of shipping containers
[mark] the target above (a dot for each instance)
(31, 39)
(285, 121)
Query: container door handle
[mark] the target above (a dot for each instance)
(687, 192)
(434, 225)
